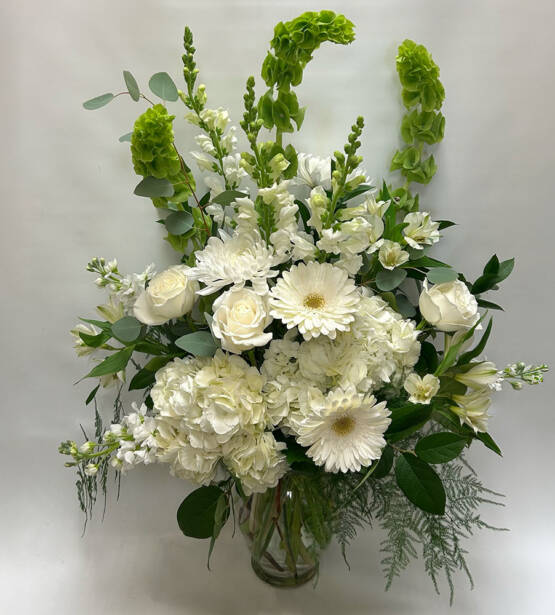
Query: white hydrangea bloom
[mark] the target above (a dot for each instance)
(256, 460)
(421, 230)
(234, 260)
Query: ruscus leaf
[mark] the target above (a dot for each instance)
(420, 483)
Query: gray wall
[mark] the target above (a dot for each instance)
(66, 185)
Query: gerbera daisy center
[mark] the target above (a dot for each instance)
(314, 301)
(343, 425)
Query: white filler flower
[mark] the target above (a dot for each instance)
(240, 317)
(318, 298)
(170, 294)
(344, 430)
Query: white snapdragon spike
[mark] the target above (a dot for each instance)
(285, 212)
(313, 171)
(245, 216)
(205, 144)
(421, 390)
(240, 317)
(256, 460)
(235, 260)
(421, 229)
(344, 430)
(449, 306)
(481, 375)
(229, 140)
(391, 254)
(215, 119)
(318, 203)
(472, 408)
(204, 161)
(318, 298)
(170, 294)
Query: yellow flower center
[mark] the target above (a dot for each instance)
(314, 301)
(343, 425)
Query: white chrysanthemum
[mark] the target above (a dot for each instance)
(421, 390)
(318, 298)
(421, 230)
(313, 171)
(256, 460)
(234, 260)
(344, 430)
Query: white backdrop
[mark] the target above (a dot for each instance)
(66, 187)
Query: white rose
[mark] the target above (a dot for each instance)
(170, 294)
(449, 306)
(240, 317)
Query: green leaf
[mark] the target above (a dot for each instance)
(489, 442)
(489, 305)
(428, 361)
(483, 283)
(127, 329)
(179, 222)
(112, 364)
(420, 483)
(406, 420)
(440, 447)
(199, 343)
(126, 137)
(91, 395)
(163, 86)
(445, 224)
(505, 269)
(196, 514)
(440, 275)
(451, 355)
(99, 101)
(132, 86)
(228, 196)
(405, 307)
(385, 463)
(449, 386)
(142, 379)
(153, 187)
(220, 517)
(492, 266)
(478, 349)
(424, 261)
(101, 324)
(95, 341)
(390, 279)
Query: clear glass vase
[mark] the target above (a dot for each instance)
(284, 553)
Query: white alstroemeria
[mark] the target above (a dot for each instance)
(344, 430)
(313, 171)
(234, 260)
(204, 161)
(472, 408)
(240, 317)
(376, 208)
(318, 298)
(421, 230)
(80, 347)
(449, 306)
(318, 204)
(170, 294)
(391, 254)
(480, 375)
(421, 390)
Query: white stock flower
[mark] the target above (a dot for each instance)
(449, 306)
(256, 460)
(234, 260)
(472, 408)
(344, 430)
(318, 298)
(421, 390)
(240, 317)
(421, 230)
(480, 375)
(170, 294)
(391, 254)
(313, 171)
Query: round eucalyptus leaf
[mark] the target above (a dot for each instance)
(179, 222)
(132, 86)
(389, 279)
(163, 86)
(98, 101)
(440, 275)
(127, 329)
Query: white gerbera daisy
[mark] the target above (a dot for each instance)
(318, 298)
(234, 260)
(344, 430)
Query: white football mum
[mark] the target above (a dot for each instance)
(318, 298)
(344, 430)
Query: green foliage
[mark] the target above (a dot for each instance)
(420, 483)
(494, 273)
(163, 86)
(196, 516)
(419, 77)
(199, 343)
(152, 146)
(98, 101)
(440, 447)
(388, 279)
(131, 85)
(127, 329)
(154, 188)
(440, 275)
(112, 364)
